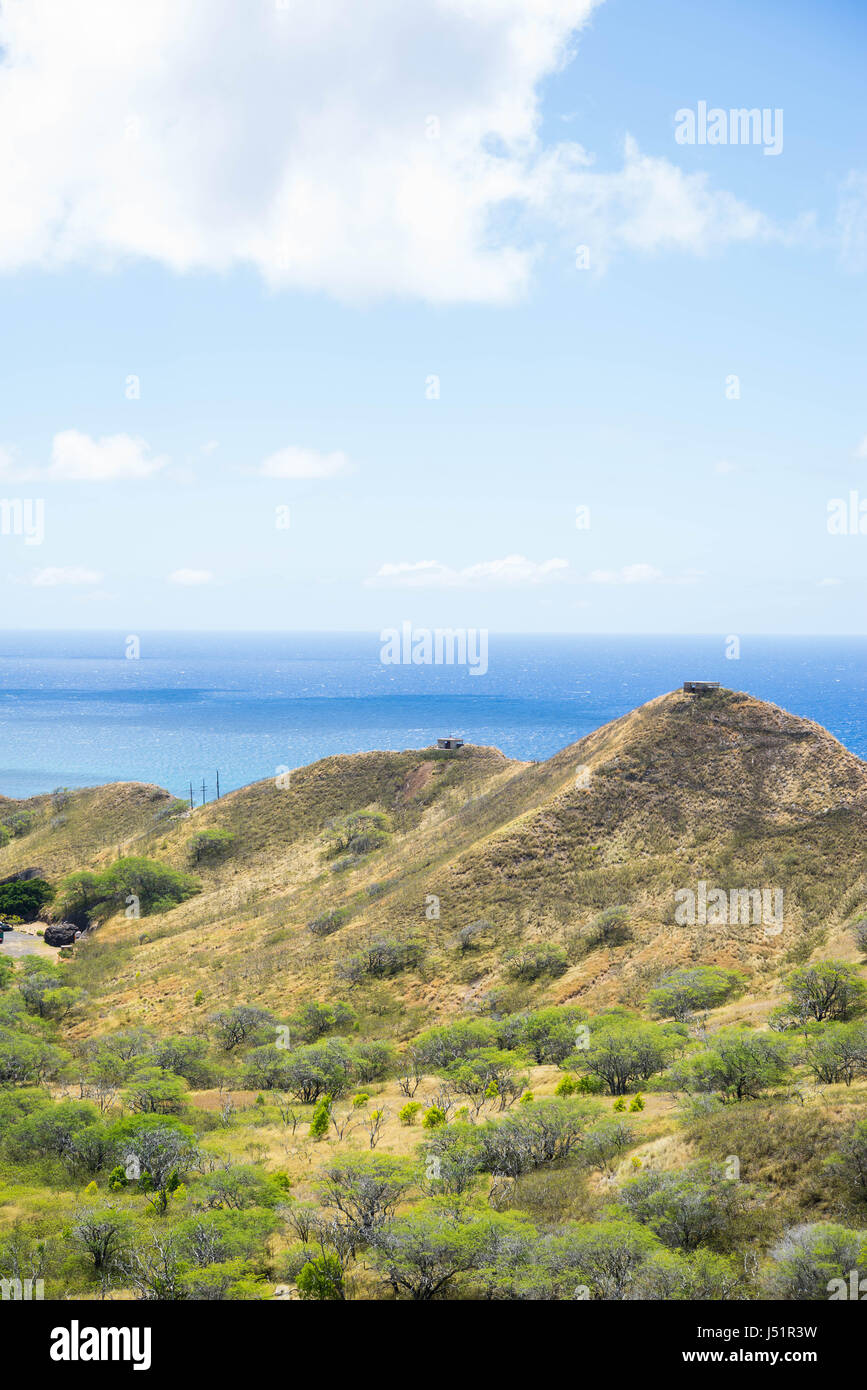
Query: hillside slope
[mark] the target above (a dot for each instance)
(723, 789)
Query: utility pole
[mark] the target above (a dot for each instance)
(191, 796)
(203, 791)
(218, 784)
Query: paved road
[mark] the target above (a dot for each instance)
(22, 943)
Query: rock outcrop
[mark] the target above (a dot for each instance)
(62, 934)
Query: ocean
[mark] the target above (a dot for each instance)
(76, 711)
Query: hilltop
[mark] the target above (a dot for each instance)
(723, 789)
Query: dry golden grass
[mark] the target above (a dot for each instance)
(723, 788)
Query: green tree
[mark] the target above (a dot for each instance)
(692, 1207)
(438, 1047)
(605, 1258)
(363, 1191)
(186, 1056)
(829, 989)
(668, 1276)
(536, 960)
(838, 1052)
(267, 1068)
(682, 993)
(241, 1024)
(163, 1153)
(736, 1063)
(103, 1232)
(606, 1143)
(155, 1091)
(313, 1071)
(610, 927)
(420, 1255)
(315, 1019)
(358, 833)
(623, 1050)
(549, 1034)
(540, 1132)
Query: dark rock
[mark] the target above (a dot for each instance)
(62, 934)
(23, 876)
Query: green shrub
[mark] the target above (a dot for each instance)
(610, 927)
(328, 922)
(24, 898)
(210, 846)
(321, 1278)
(359, 833)
(380, 959)
(536, 961)
(150, 885)
(321, 1118)
(807, 1262)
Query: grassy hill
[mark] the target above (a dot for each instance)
(363, 901)
(721, 788)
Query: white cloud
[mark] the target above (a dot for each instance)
(76, 457)
(11, 471)
(649, 205)
(304, 463)
(861, 451)
(190, 578)
(643, 574)
(429, 574)
(363, 150)
(8, 469)
(629, 574)
(829, 583)
(74, 576)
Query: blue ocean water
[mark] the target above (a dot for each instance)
(74, 711)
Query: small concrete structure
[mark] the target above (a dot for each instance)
(450, 742)
(699, 687)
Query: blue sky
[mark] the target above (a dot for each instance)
(249, 212)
